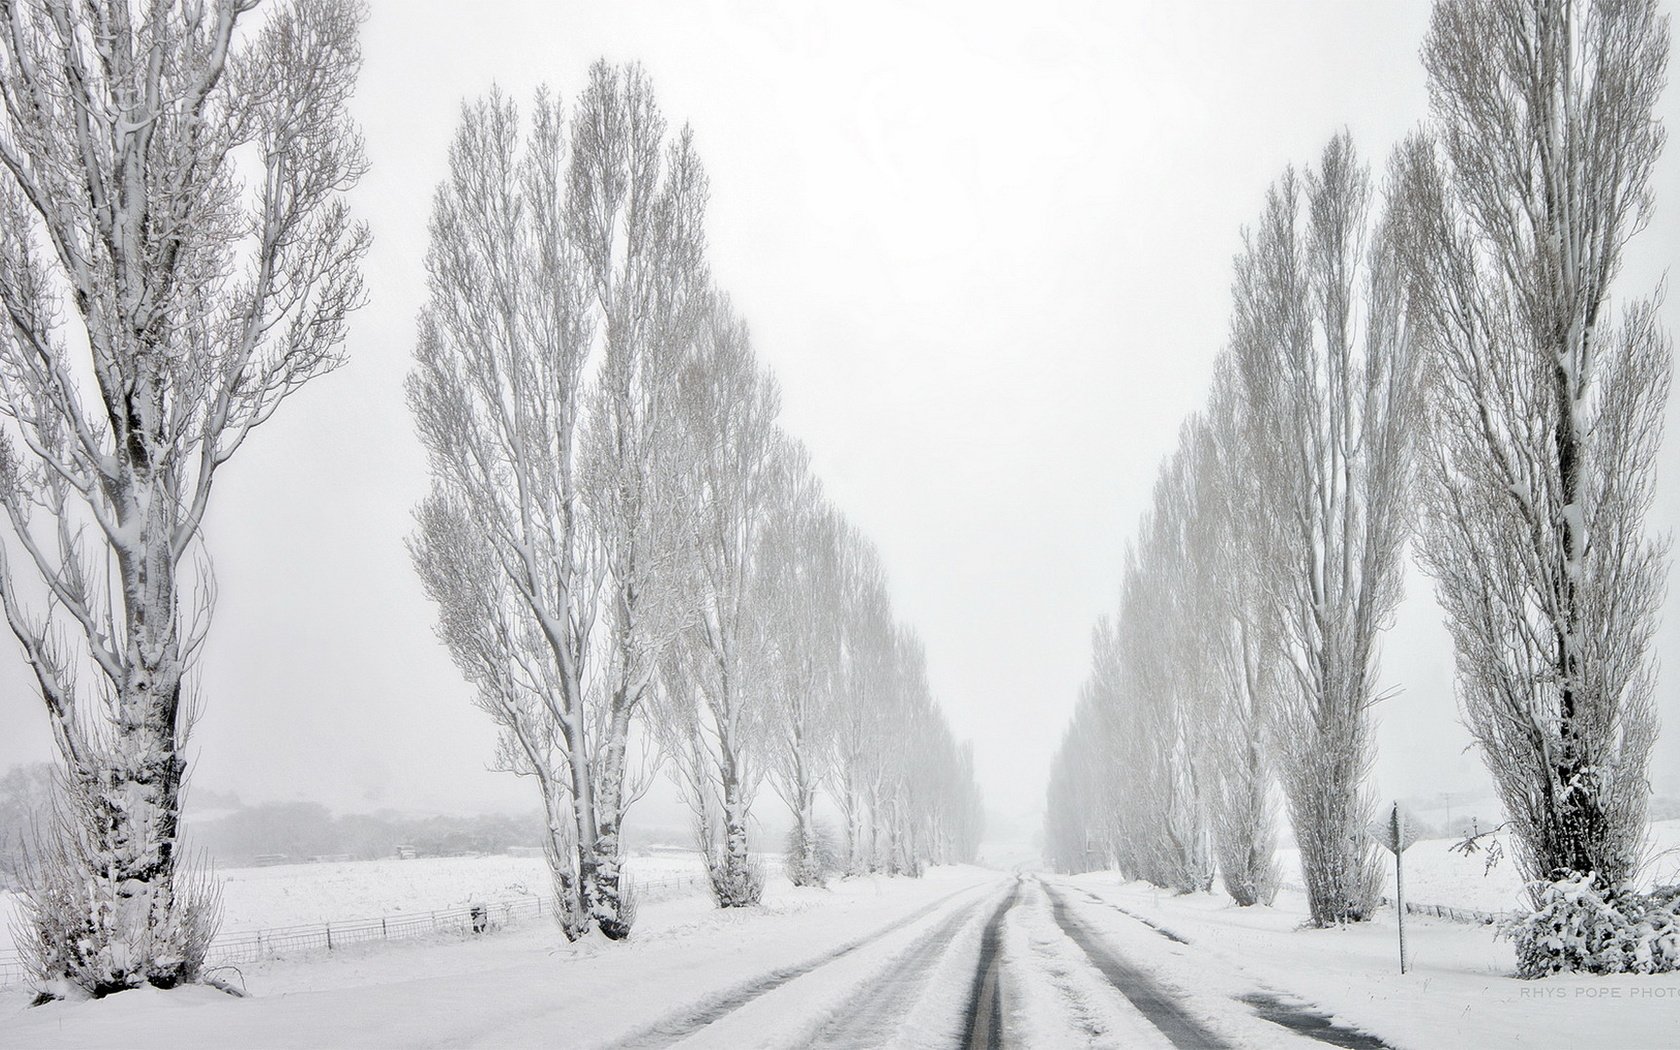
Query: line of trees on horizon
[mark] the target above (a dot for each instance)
(1439, 366)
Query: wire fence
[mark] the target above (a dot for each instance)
(1451, 913)
(255, 945)
(1442, 911)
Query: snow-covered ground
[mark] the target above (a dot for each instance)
(687, 964)
(1457, 992)
(264, 898)
(1068, 962)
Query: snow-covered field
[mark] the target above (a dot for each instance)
(264, 898)
(1436, 874)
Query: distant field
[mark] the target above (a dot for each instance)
(1437, 875)
(263, 898)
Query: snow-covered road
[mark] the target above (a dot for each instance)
(963, 958)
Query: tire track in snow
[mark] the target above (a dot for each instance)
(686, 1022)
(873, 1014)
(1160, 1008)
(985, 1003)
(1162, 930)
(1300, 1017)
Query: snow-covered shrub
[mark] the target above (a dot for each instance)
(628, 897)
(1582, 926)
(741, 889)
(823, 861)
(69, 933)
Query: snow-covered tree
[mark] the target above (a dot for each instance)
(903, 781)
(563, 280)
(718, 676)
(503, 545)
(902, 707)
(636, 200)
(176, 258)
(1242, 648)
(802, 566)
(1328, 371)
(865, 675)
(965, 821)
(1070, 807)
(1161, 670)
(1545, 411)
(1099, 813)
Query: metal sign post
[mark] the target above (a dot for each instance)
(1394, 835)
(1398, 823)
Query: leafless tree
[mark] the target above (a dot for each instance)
(175, 259)
(1328, 372)
(1545, 411)
(717, 680)
(1243, 654)
(904, 709)
(865, 675)
(504, 546)
(636, 199)
(1071, 806)
(1166, 770)
(563, 277)
(802, 554)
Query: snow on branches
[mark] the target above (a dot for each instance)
(631, 561)
(176, 258)
(1545, 410)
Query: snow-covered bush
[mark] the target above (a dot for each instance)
(66, 932)
(737, 886)
(1581, 926)
(824, 860)
(629, 896)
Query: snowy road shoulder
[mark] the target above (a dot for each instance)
(1458, 991)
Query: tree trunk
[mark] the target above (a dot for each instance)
(735, 883)
(604, 891)
(807, 870)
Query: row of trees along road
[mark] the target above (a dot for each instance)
(615, 515)
(1447, 369)
(631, 559)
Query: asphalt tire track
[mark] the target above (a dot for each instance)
(871, 1016)
(686, 1022)
(985, 1002)
(1304, 1019)
(1300, 1017)
(1160, 1008)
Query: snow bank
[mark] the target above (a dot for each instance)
(1459, 992)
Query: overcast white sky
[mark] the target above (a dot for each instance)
(987, 251)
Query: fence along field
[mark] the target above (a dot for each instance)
(467, 920)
